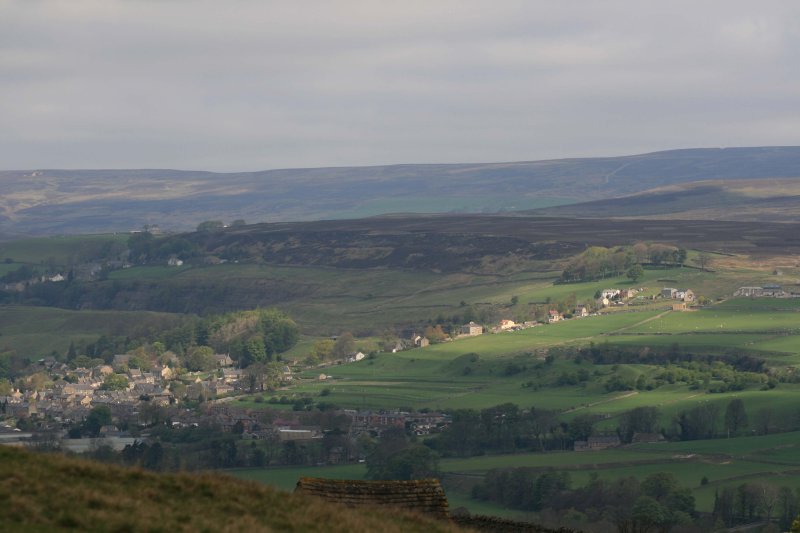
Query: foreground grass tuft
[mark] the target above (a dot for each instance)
(53, 493)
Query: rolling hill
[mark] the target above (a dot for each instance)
(775, 200)
(46, 202)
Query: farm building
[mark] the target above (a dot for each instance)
(472, 329)
(687, 295)
(420, 341)
(767, 291)
(597, 443)
(647, 438)
(610, 293)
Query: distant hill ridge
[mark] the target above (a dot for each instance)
(773, 200)
(84, 201)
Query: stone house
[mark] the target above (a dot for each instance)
(472, 329)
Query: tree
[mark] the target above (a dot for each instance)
(580, 428)
(200, 358)
(704, 260)
(635, 273)
(788, 507)
(255, 352)
(638, 420)
(735, 416)
(115, 382)
(435, 334)
(344, 345)
(680, 256)
(648, 514)
(699, 422)
(659, 485)
(322, 350)
(767, 497)
(464, 435)
(415, 462)
(210, 225)
(98, 417)
(392, 441)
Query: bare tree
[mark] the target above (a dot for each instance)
(704, 260)
(767, 497)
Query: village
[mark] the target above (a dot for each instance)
(57, 398)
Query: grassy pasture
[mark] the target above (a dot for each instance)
(444, 376)
(771, 458)
(504, 344)
(60, 250)
(5, 268)
(589, 459)
(148, 272)
(760, 304)
(330, 300)
(721, 321)
(701, 341)
(37, 331)
(738, 446)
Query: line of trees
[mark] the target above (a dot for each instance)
(655, 503)
(751, 502)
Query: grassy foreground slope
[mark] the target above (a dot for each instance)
(53, 493)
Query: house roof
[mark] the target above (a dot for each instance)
(422, 495)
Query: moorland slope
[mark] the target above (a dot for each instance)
(41, 202)
(774, 200)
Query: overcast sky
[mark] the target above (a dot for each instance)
(250, 85)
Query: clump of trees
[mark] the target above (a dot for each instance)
(752, 502)
(395, 457)
(522, 488)
(507, 428)
(250, 337)
(656, 503)
(598, 262)
(147, 248)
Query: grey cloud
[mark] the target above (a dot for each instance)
(247, 85)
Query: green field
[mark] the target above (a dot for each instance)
(771, 458)
(471, 372)
(35, 332)
(148, 272)
(328, 301)
(60, 251)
